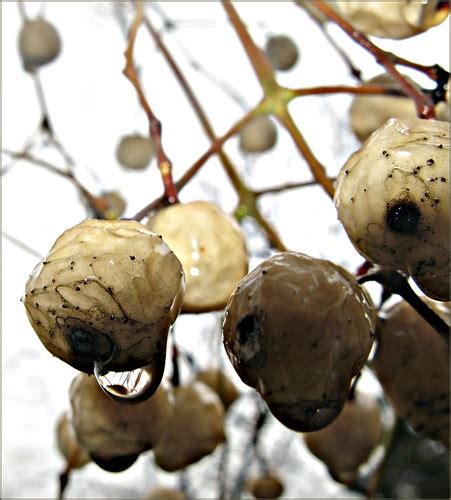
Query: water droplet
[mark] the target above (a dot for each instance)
(129, 387)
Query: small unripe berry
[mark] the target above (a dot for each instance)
(135, 151)
(281, 52)
(297, 330)
(39, 44)
(259, 135)
(268, 485)
(392, 197)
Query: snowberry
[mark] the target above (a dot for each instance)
(397, 20)
(412, 365)
(298, 329)
(349, 440)
(113, 432)
(392, 197)
(281, 52)
(135, 151)
(211, 248)
(116, 204)
(259, 135)
(39, 44)
(194, 428)
(107, 293)
(267, 485)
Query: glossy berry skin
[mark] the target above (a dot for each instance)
(281, 52)
(211, 247)
(349, 440)
(298, 329)
(392, 197)
(412, 365)
(39, 44)
(107, 293)
(258, 136)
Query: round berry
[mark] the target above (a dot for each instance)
(135, 151)
(211, 248)
(412, 365)
(281, 52)
(259, 135)
(298, 329)
(267, 485)
(39, 44)
(217, 380)
(392, 197)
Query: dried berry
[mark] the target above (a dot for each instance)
(412, 365)
(349, 440)
(298, 329)
(39, 44)
(101, 307)
(259, 135)
(394, 205)
(211, 248)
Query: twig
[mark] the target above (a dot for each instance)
(21, 245)
(345, 89)
(164, 164)
(424, 104)
(287, 186)
(396, 283)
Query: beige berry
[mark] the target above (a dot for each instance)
(412, 365)
(194, 428)
(298, 329)
(76, 456)
(39, 44)
(349, 440)
(107, 293)
(110, 430)
(211, 248)
(259, 135)
(281, 52)
(163, 493)
(392, 197)
(135, 151)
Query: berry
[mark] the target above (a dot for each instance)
(114, 433)
(349, 440)
(298, 329)
(194, 428)
(162, 493)
(392, 197)
(217, 380)
(281, 52)
(267, 485)
(115, 203)
(211, 248)
(259, 135)
(107, 293)
(76, 456)
(369, 112)
(39, 44)
(397, 20)
(135, 151)
(412, 365)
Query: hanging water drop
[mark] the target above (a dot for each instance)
(129, 387)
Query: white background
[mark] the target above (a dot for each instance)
(91, 105)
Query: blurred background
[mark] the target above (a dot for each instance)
(91, 105)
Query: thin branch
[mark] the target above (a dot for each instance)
(22, 245)
(164, 164)
(287, 186)
(346, 89)
(424, 104)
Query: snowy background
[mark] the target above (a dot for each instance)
(91, 105)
